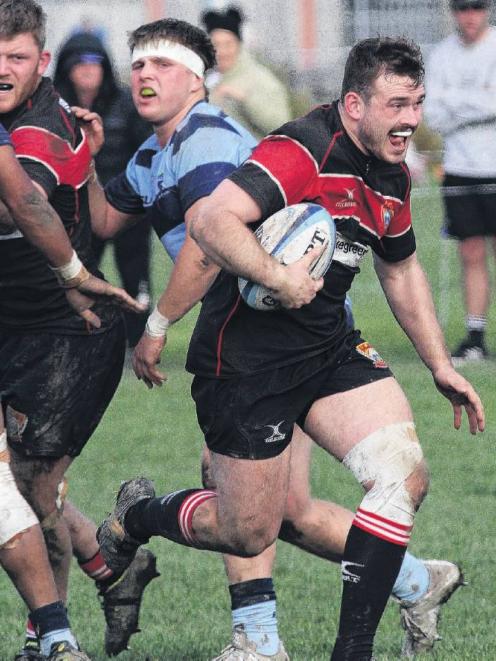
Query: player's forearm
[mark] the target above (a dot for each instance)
(230, 244)
(410, 299)
(39, 223)
(98, 205)
(189, 281)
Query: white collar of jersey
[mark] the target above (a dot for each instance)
(172, 51)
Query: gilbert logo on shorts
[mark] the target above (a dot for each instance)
(276, 434)
(369, 352)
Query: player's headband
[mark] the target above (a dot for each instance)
(172, 51)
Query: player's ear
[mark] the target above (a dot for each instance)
(354, 105)
(197, 83)
(45, 58)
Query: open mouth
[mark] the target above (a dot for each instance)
(6, 87)
(147, 92)
(403, 134)
(398, 138)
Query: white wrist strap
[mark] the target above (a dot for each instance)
(69, 270)
(157, 324)
(72, 274)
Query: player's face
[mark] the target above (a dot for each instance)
(162, 88)
(472, 23)
(390, 117)
(21, 66)
(227, 47)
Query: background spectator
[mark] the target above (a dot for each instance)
(84, 76)
(245, 89)
(461, 105)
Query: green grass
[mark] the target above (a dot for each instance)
(186, 612)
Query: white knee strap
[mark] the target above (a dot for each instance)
(387, 458)
(15, 514)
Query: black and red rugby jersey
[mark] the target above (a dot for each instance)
(310, 159)
(54, 152)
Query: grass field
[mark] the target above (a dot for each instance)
(185, 614)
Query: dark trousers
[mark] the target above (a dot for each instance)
(132, 255)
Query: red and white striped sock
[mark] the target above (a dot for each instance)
(96, 568)
(379, 526)
(169, 516)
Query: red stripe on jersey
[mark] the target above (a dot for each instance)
(221, 336)
(337, 135)
(69, 166)
(290, 165)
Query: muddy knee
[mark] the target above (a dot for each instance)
(389, 463)
(206, 470)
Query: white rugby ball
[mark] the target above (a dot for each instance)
(288, 235)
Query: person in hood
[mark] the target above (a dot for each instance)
(84, 76)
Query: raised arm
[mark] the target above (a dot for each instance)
(106, 221)
(409, 297)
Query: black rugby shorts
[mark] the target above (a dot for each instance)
(54, 389)
(470, 206)
(252, 417)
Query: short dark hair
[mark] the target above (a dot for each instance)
(179, 31)
(370, 58)
(19, 16)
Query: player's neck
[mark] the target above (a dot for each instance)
(165, 129)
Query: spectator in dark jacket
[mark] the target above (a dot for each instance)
(84, 76)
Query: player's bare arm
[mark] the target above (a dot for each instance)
(189, 281)
(29, 210)
(106, 222)
(220, 229)
(409, 296)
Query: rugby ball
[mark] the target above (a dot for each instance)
(288, 235)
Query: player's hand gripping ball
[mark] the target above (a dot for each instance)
(288, 235)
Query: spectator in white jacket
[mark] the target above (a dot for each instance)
(461, 105)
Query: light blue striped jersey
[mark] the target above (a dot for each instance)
(163, 183)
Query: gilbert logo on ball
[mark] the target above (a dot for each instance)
(288, 235)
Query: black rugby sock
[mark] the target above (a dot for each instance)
(168, 516)
(251, 592)
(51, 617)
(370, 566)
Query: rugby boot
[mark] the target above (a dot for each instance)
(121, 601)
(64, 651)
(421, 619)
(469, 352)
(117, 547)
(31, 651)
(241, 649)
